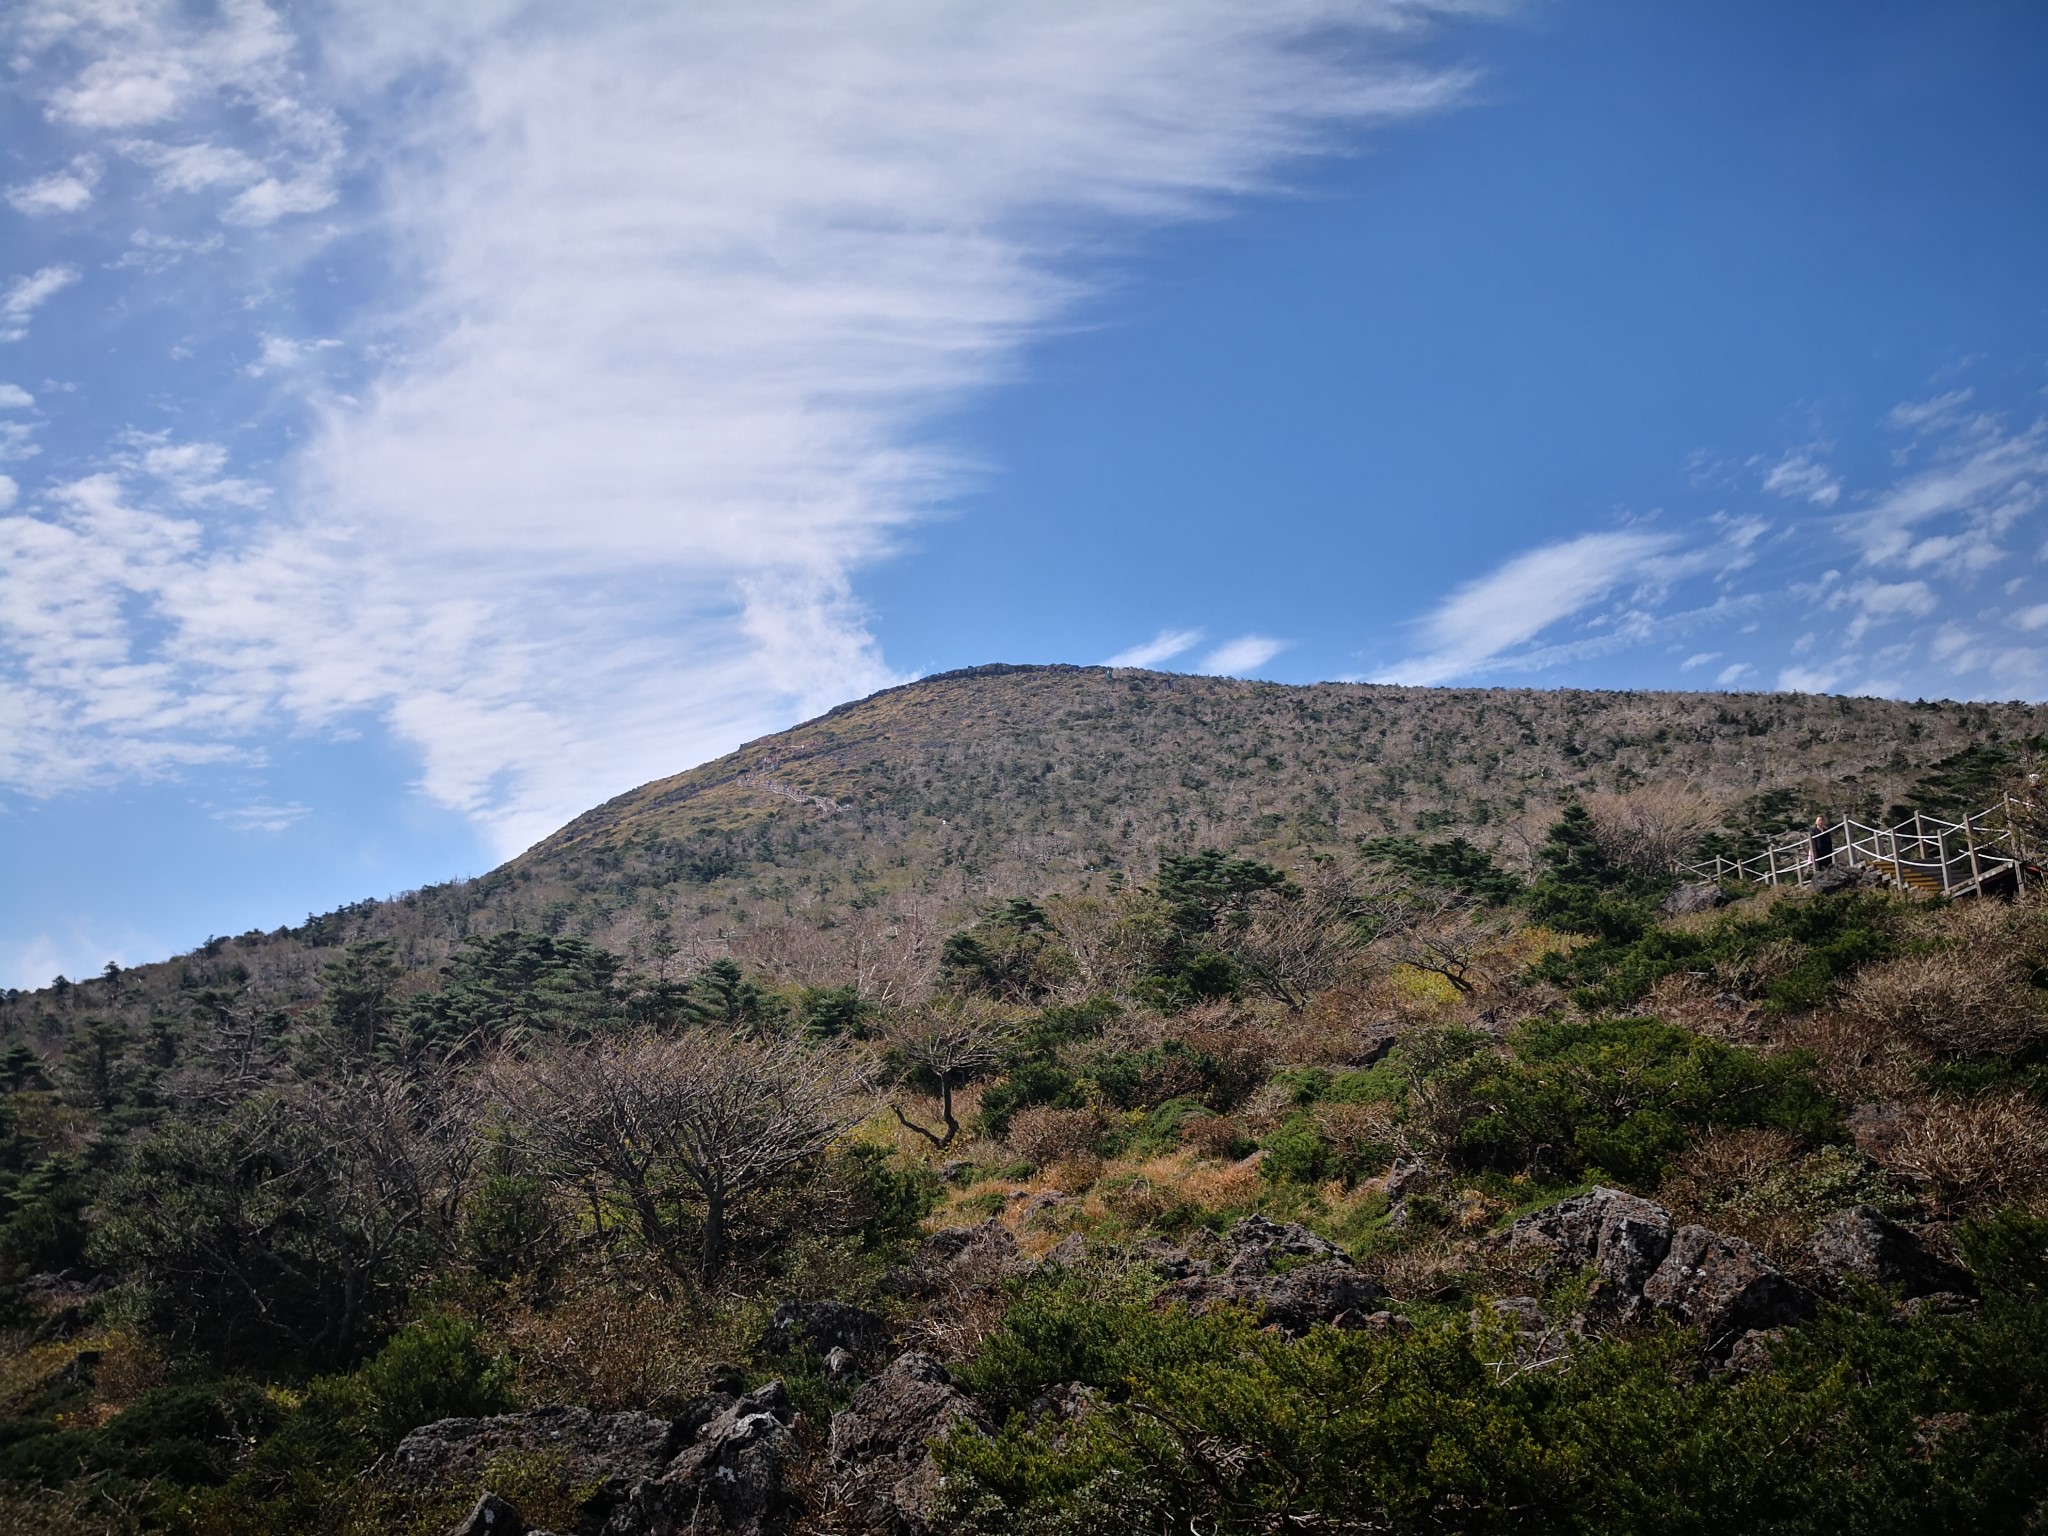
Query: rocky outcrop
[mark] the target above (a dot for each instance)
(731, 1478)
(610, 1454)
(1258, 1243)
(819, 1327)
(1862, 1243)
(720, 1469)
(1622, 1236)
(883, 1438)
(1723, 1287)
(1642, 1263)
(977, 1255)
(1266, 1273)
(1703, 896)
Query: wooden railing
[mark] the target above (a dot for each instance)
(1926, 854)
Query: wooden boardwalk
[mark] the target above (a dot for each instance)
(1976, 856)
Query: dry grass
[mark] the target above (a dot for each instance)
(1709, 1183)
(615, 1341)
(1970, 998)
(1646, 828)
(1693, 1002)
(1856, 1060)
(1042, 1136)
(1216, 1137)
(1977, 1155)
(71, 1511)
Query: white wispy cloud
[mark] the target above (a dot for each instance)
(679, 290)
(263, 816)
(64, 191)
(14, 398)
(1514, 604)
(25, 295)
(201, 73)
(1729, 676)
(282, 353)
(1244, 655)
(1952, 518)
(1800, 477)
(1874, 602)
(1919, 415)
(1164, 646)
(1698, 659)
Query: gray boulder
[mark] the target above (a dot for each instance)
(1256, 1242)
(1703, 896)
(730, 1480)
(1723, 1287)
(610, 1454)
(820, 1327)
(971, 1256)
(1862, 1243)
(1327, 1289)
(883, 1437)
(1622, 1236)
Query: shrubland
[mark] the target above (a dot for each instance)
(268, 1209)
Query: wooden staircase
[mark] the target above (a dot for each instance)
(1909, 877)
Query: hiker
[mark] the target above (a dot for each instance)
(1821, 843)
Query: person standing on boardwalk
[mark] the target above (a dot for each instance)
(1820, 842)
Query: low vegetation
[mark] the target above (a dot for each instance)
(266, 1210)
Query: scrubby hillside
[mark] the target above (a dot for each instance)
(1062, 1100)
(852, 844)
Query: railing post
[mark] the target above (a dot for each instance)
(1970, 842)
(1771, 858)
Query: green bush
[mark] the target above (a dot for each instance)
(1830, 936)
(890, 1199)
(1620, 1096)
(2008, 1252)
(1863, 1424)
(190, 1434)
(432, 1369)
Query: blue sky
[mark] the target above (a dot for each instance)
(422, 421)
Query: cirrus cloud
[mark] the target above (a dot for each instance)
(669, 299)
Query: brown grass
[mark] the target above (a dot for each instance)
(1042, 1135)
(1217, 1137)
(1856, 1058)
(1978, 1155)
(615, 1342)
(1970, 1000)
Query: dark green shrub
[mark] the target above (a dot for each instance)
(510, 1228)
(1621, 1096)
(1863, 1424)
(890, 1199)
(432, 1369)
(1298, 1152)
(1831, 935)
(2008, 1252)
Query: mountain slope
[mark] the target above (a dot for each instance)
(922, 803)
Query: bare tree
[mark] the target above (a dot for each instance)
(1440, 932)
(1296, 944)
(951, 1039)
(1649, 828)
(700, 1118)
